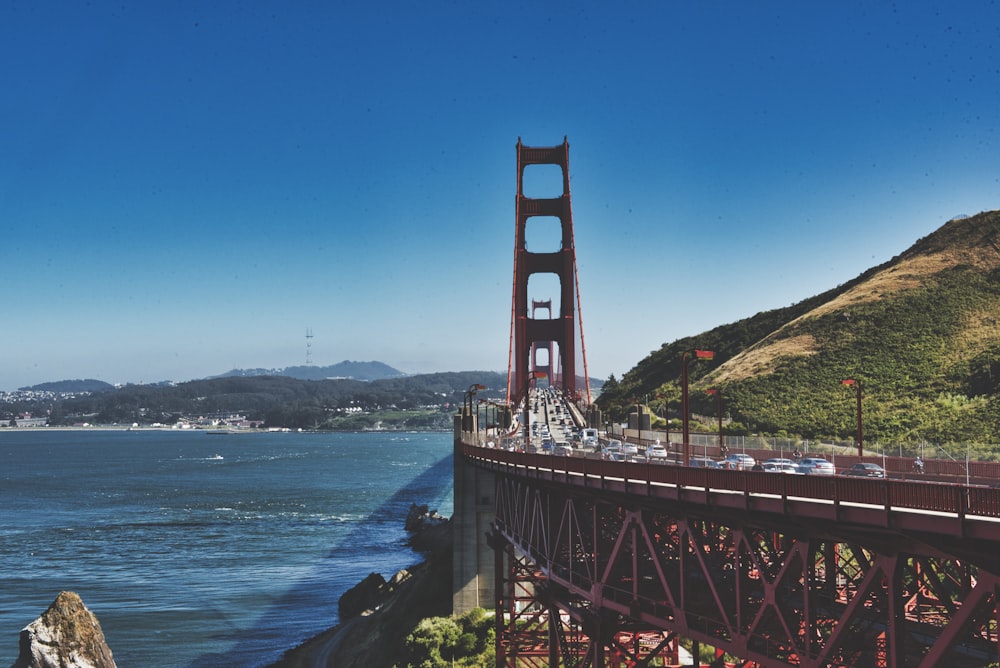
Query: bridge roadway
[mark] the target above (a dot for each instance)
(617, 560)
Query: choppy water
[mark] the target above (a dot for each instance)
(204, 550)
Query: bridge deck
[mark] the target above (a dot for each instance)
(946, 510)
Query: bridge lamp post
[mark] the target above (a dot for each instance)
(666, 420)
(482, 407)
(858, 438)
(718, 409)
(467, 400)
(496, 420)
(686, 440)
(488, 404)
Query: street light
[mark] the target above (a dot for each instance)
(859, 435)
(718, 408)
(490, 402)
(467, 413)
(686, 444)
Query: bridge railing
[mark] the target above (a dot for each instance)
(938, 464)
(833, 497)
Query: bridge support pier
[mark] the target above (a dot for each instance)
(472, 568)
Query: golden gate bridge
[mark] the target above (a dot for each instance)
(596, 563)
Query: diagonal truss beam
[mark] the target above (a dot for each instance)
(606, 570)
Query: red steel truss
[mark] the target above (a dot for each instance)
(609, 573)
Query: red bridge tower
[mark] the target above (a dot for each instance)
(528, 333)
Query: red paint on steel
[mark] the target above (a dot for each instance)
(526, 331)
(778, 570)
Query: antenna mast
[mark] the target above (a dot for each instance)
(309, 343)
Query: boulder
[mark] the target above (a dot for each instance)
(361, 597)
(67, 635)
(420, 517)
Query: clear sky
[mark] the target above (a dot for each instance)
(187, 187)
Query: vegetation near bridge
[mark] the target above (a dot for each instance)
(920, 332)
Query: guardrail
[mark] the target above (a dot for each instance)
(943, 508)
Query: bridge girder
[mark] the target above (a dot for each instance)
(798, 596)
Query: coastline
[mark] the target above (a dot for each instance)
(110, 427)
(377, 636)
(317, 652)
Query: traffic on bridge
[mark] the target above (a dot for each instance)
(601, 550)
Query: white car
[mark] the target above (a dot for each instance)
(816, 466)
(738, 462)
(630, 449)
(780, 467)
(656, 451)
(781, 461)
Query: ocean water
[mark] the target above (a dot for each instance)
(196, 549)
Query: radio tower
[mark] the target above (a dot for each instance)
(309, 343)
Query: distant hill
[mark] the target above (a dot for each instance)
(72, 386)
(347, 369)
(921, 332)
(419, 401)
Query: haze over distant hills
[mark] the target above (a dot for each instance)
(345, 369)
(71, 386)
(365, 371)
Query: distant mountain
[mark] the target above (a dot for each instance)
(366, 371)
(920, 332)
(72, 386)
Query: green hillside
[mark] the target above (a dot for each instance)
(921, 332)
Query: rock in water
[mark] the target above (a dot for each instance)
(67, 635)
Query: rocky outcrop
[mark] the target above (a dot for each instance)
(361, 597)
(67, 635)
(420, 518)
(427, 528)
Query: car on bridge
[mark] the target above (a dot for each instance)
(816, 466)
(866, 470)
(704, 463)
(779, 460)
(612, 446)
(562, 450)
(780, 467)
(656, 451)
(738, 461)
(630, 448)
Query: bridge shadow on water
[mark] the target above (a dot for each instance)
(317, 594)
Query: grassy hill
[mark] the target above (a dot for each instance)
(921, 332)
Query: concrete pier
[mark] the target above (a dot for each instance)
(472, 580)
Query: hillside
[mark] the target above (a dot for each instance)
(921, 332)
(70, 386)
(424, 401)
(346, 369)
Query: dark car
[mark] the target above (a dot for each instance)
(705, 463)
(866, 470)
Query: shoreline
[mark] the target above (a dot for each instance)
(218, 430)
(377, 636)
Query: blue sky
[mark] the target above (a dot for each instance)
(188, 187)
